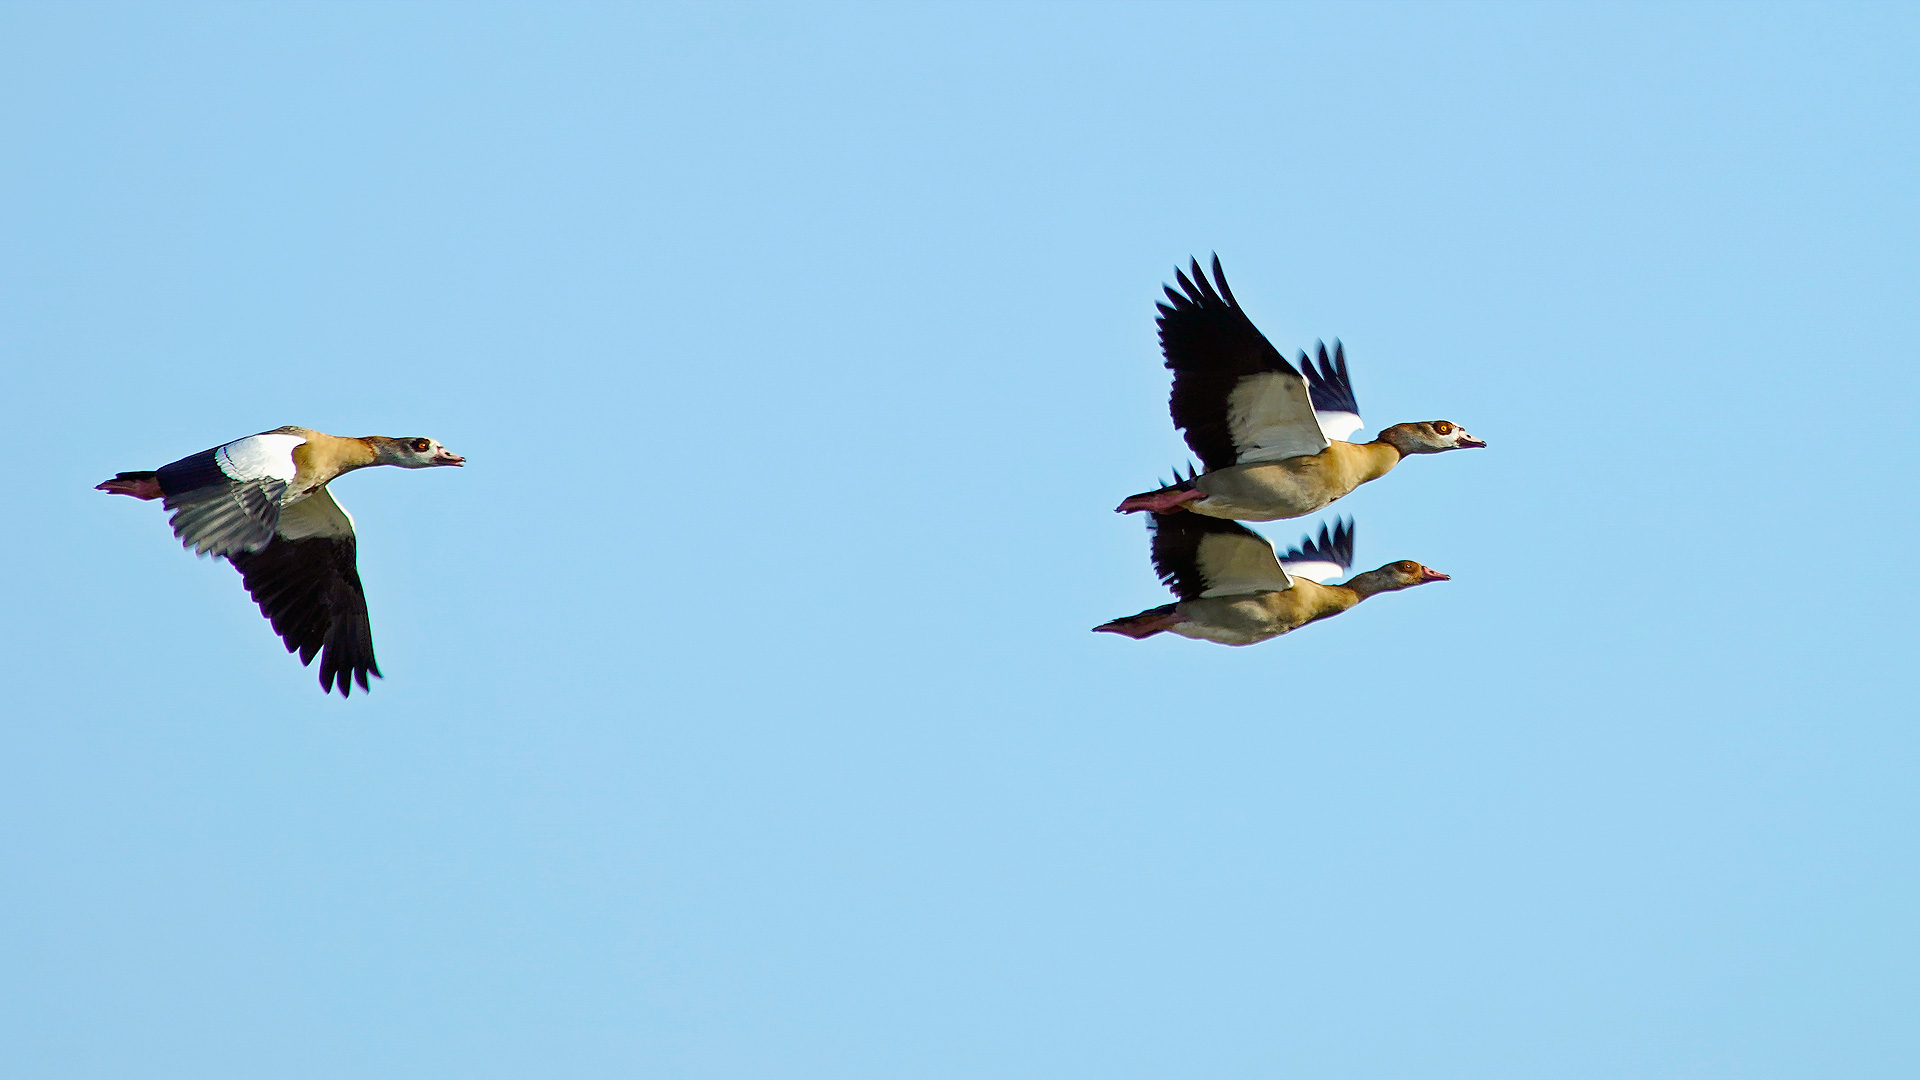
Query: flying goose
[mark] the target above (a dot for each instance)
(1268, 436)
(1235, 591)
(262, 503)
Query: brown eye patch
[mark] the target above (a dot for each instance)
(419, 445)
(1407, 567)
(1443, 428)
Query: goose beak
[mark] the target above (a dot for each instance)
(448, 457)
(1471, 443)
(1428, 573)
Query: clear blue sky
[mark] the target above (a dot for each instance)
(741, 717)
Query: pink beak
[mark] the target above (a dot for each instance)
(1428, 573)
(448, 457)
(1471, 443)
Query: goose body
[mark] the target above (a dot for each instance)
(1270, 436)
(1252, 618)
(1234, 590)
(1273, 490)
(263, 504)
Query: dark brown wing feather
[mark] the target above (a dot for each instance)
(1210, 345)
(310, 590)
(1176, 549)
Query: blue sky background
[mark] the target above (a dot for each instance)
(741, 716)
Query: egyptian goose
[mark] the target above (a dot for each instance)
(262, 503)
(1268, 437)
(1235, 591)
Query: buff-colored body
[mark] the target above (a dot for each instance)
(321, 459)
(1255, 617)
(1275, 490)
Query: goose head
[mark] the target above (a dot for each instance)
(1395, 576)
(1429, 437)
(418, 452)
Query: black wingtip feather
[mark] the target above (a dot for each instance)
(1220, 279)
(1328, 383)
(1193, 295)
(1210, 346)
(310, 591)
(1334, 546)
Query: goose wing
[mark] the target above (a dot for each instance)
(1330, 556)
(1333, 402)
(1236, 398)
(1199, 556)
(307, 583)
(227, 499)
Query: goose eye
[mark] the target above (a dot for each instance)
(419, 445)
(1407, 568)
(1443, 428)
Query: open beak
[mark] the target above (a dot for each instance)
(1428, 573)
(448, 457)
(1471, 443)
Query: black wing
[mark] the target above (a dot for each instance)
(1210, 346)
(1332, 389)
(1198, 556)
(310, 590)
(213, 513)
(1329, 556)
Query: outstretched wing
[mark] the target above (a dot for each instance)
(1236, 398)
(307, 584)
(1330, 556)
(1333, 402)
(227, 499)
(1199, 556)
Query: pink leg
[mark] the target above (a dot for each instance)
(1164, 501)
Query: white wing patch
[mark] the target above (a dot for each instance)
(315, 515)
(259, 457)
(1315, 570)
(1338, 425)
(1234, 564)
(1271, 418)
